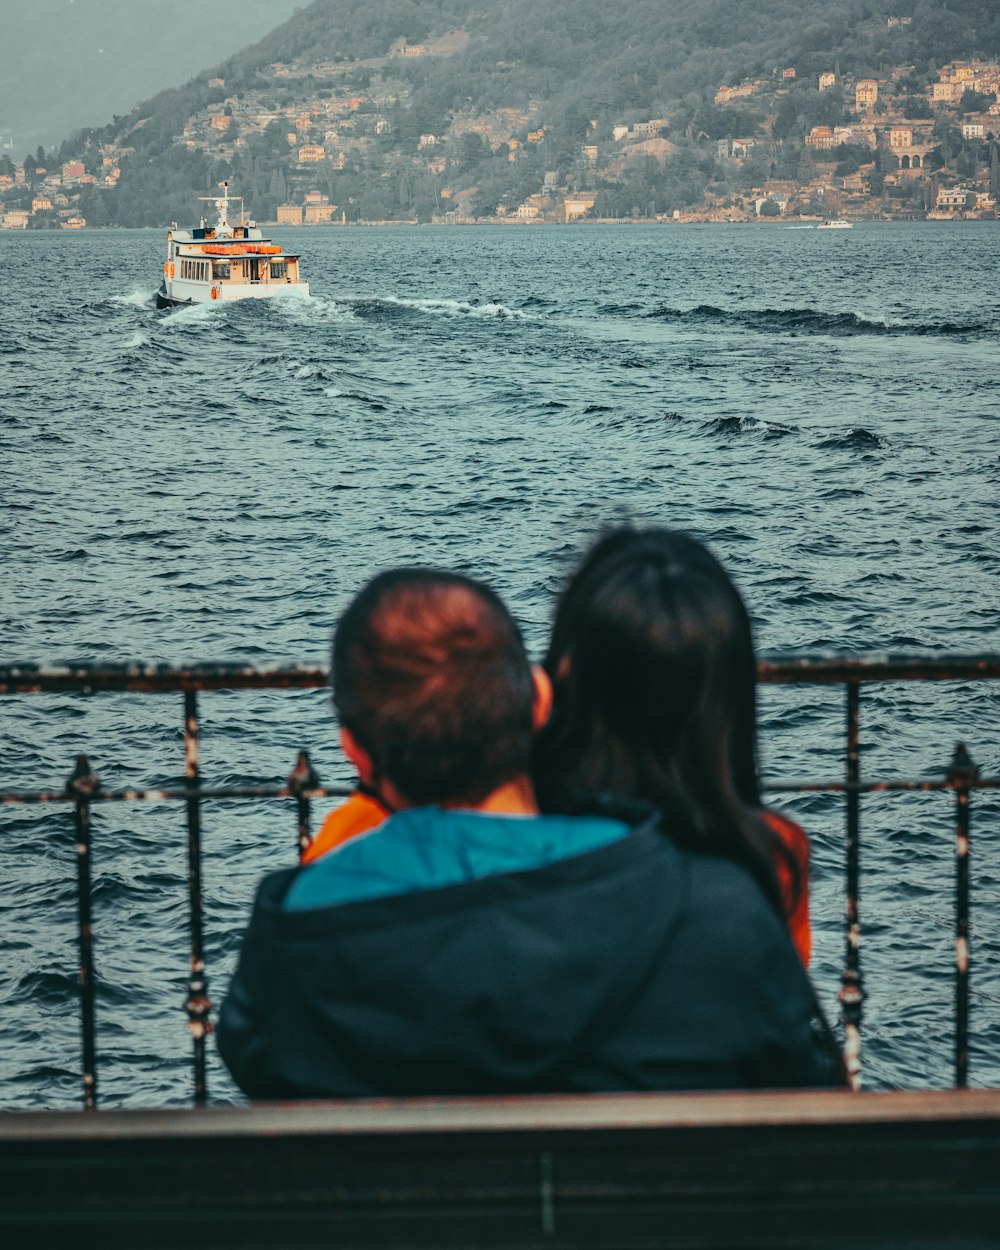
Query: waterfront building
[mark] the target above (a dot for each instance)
(318, 209)
(289, 215)
(577, 206)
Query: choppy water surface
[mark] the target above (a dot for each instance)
(215, 483)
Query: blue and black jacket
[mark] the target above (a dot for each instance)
(452, 952)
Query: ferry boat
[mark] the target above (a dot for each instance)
(227, 261)
(836, 223)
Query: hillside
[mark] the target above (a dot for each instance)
(431, 109)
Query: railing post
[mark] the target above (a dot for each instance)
(962, 773)
(302, 779)
(82, 785)
(198, 1005)
(852, 995)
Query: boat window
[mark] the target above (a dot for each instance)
(220, 269)
(279, 269)
(196, 270)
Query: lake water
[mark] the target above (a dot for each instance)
(215, 483)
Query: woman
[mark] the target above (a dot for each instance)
(654, 673)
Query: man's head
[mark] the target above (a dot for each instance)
(433, 688)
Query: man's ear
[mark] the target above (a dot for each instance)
(359, 757)
(542, 707)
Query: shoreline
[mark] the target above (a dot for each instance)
(500, 223)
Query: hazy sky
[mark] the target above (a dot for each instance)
(71, 63)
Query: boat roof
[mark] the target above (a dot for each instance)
(209, 234)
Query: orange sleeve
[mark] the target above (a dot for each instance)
(796, 902)
(357, 815)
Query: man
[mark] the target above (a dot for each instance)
(468, 945)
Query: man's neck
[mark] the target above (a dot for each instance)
(513, 798)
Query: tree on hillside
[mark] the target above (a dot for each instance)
(974, 101)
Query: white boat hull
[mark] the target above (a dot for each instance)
(177, 295)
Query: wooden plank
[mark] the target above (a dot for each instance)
(611, 1172)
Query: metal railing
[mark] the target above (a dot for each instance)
(83, 790)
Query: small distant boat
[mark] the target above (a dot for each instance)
(835, 223)
(227, 261)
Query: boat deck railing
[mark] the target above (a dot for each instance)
(959, 776)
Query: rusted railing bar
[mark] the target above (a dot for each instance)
(33, 679)
(147, 678)
(198, 1005)
(303, 782)
(81, 787)
(852, 992)
(202, 792)
(962, 939)
(837, 669)
(913, 785)
(875, 787)
(962, 774)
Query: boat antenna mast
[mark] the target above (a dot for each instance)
(224, 226)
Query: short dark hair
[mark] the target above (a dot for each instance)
(431, 677)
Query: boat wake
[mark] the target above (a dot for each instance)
(315, 310)
(810, 321)
(489, 309)
(137, 299)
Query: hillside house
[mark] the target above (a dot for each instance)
(725, 94)
(821, 137)
(866, 93)
(827, 80)
(735, 149)
(311, 154)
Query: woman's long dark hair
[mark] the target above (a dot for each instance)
(653, 666)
